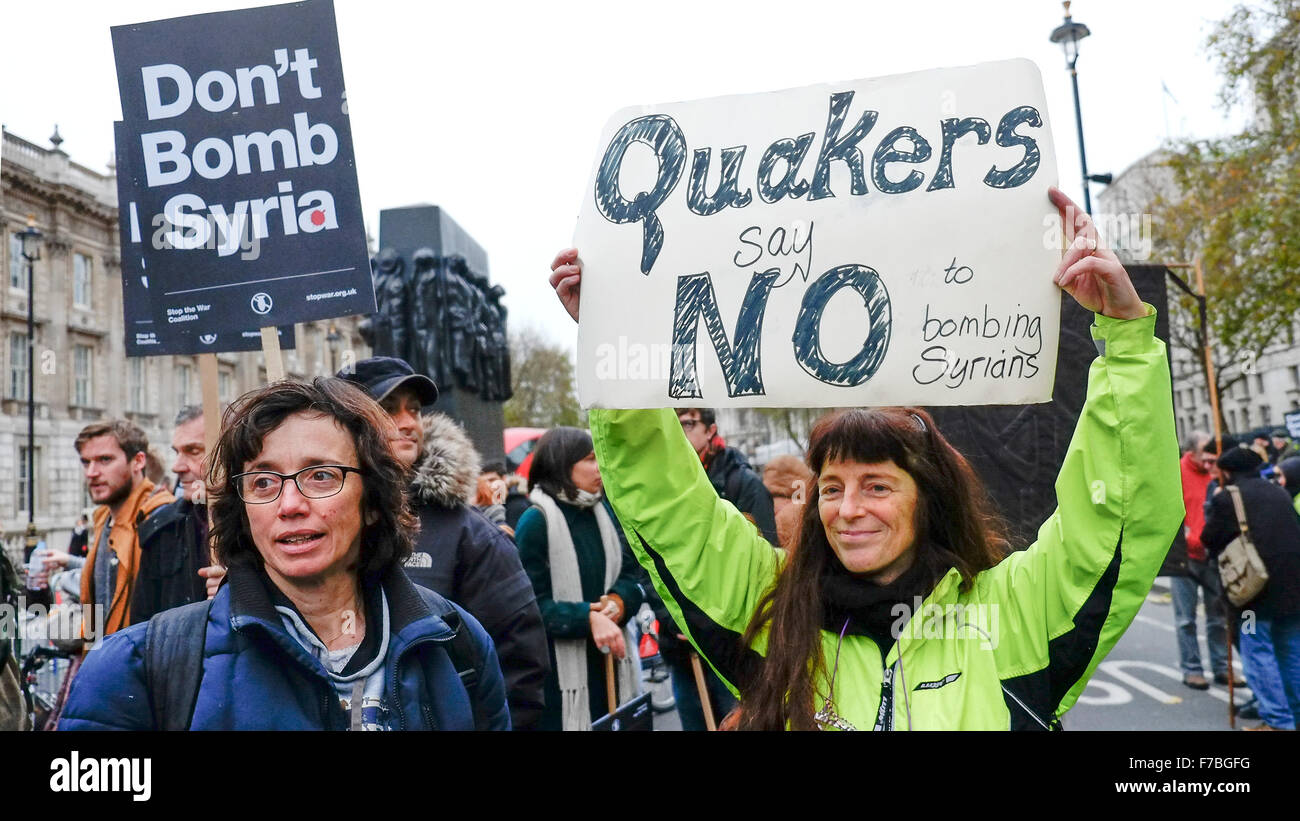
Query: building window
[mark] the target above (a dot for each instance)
(83, 364)
(1232, 419)
(17, 365)
(225, 386)
(1295, 376)
(1259, 383)
(1265, 414)
(17, 265)
(135, 388)
(21, 506)
(1245, 417)
(184, 375)
(81, 281)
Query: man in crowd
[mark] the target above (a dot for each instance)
(127, 569)
(458, 552)
(1283, 447)
(1197, 469)
(734, 480)
(729, 470)
(1270, 626)
(191, 507)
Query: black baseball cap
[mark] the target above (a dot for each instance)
(381, 375)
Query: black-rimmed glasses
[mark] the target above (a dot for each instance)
(259, 487)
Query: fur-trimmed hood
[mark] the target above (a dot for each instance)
(449, 467)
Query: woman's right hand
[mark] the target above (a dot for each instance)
(566, 279)
(607, 635)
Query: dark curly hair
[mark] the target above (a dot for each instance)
(956, 526)
(386, 537)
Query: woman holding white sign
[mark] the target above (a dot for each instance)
(900, 607)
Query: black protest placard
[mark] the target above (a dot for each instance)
(247, 202)
(142, 334)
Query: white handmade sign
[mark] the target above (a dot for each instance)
(875, 242)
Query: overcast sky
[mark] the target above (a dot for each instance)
(493, 110)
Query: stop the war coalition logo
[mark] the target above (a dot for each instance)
(244, 185)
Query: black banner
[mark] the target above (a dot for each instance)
(247, 204)
(1018, 449)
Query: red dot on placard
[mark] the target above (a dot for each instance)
(318, 217)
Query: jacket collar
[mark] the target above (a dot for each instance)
(448, 470)
(410, 617)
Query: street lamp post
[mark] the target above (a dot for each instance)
(332, 340)
(31, 251)
(1068, 34)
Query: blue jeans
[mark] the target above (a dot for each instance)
(689, 709)
(1271, 655)
(1205, 578)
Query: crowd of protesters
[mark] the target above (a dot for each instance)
(344, 559)
(1262, 471)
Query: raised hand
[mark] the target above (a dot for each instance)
(566, 279)
(1090, 272)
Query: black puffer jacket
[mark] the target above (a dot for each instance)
(463, 556)
(172, 549)
(738, 483)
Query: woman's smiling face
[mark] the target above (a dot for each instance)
(869, 513)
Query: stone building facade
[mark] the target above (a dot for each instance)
(81, 371)
(1263, 386)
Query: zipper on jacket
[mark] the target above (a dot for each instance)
(392, 681)
(885, 716)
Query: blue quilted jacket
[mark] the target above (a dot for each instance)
(258, 677)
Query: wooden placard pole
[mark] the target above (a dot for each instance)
(610, 695)
(208, 386)
(271, 350)
(705, 702)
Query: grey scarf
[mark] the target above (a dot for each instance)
(566, 585)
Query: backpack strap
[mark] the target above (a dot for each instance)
(463, 652)
(173, 660)
(1235, 493)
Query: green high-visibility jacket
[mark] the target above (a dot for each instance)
(1013, 652)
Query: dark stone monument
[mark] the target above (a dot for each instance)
(439, 311)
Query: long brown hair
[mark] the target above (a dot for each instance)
(956, 526)
(386, 540)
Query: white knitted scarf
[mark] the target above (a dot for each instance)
(566, 585)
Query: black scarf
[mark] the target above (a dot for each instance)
(868, 607)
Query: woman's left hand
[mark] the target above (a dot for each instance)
(1090, 272)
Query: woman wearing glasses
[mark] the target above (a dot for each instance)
(317, 626)
(896, 609)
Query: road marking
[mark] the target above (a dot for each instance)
(1114, 694)
(1156, 622)
(1115, 669)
